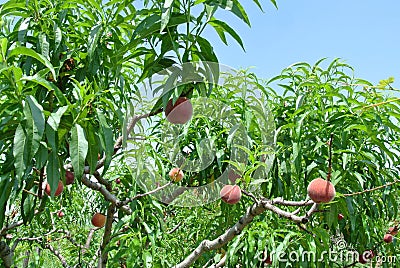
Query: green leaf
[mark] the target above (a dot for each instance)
(152, 24)
(31, 53)
(94, 36)
(166, 14)
(147, 259)
(22, 30)
(93, 147)
(19, 152)
(222, 27)
(5, 191)
(28, 204)
(55, 117)
(53, 172)
(258, 4)
(51, 137)
(49, 85)
(38, 124)
(78, 149)
(44, 45)
(106, 139)
(41, 155)
(233, 6)
(57, 36)
(274, 3)
(211, 71)
(147, 26)
(4, 46)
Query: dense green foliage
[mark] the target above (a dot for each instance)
(72, 71)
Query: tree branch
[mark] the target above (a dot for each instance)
(6, 255)
(373, 189)
(57, 254)
(88, 240)
(106, 237)
(175, 228)
(255, 210)
(15, 224)
(107, 195)
(144, 194)
(220, 264)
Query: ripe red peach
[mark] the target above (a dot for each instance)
(180, 112)
(99, 220)
(59, 190)
(176, 174)
(321, 191)
(60, 214)
(230, 194)
(388, 238)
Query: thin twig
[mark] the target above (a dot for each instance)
(57, 254)
(250, 195)
(145, 194)
(29, 192)
(373, 189)
(305, 229)
(88, 240)
(175, 228)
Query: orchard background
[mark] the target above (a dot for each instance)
(72, 99)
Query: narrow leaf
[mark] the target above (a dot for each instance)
(221, 26)
(166, 14)
(44, 45)
(78, 149)
(38, 125)
(93, 39)
(41, 156)
(18, 151)
(53, 172)
(93, 147)
(50, 86)
(31, 53)
(5, 191)
(58, 36)
(106, 139)
(55, 117)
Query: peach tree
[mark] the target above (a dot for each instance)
(86, 174)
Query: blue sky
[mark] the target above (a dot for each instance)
(364, 33)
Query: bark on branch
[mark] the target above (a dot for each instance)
(106, 193)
